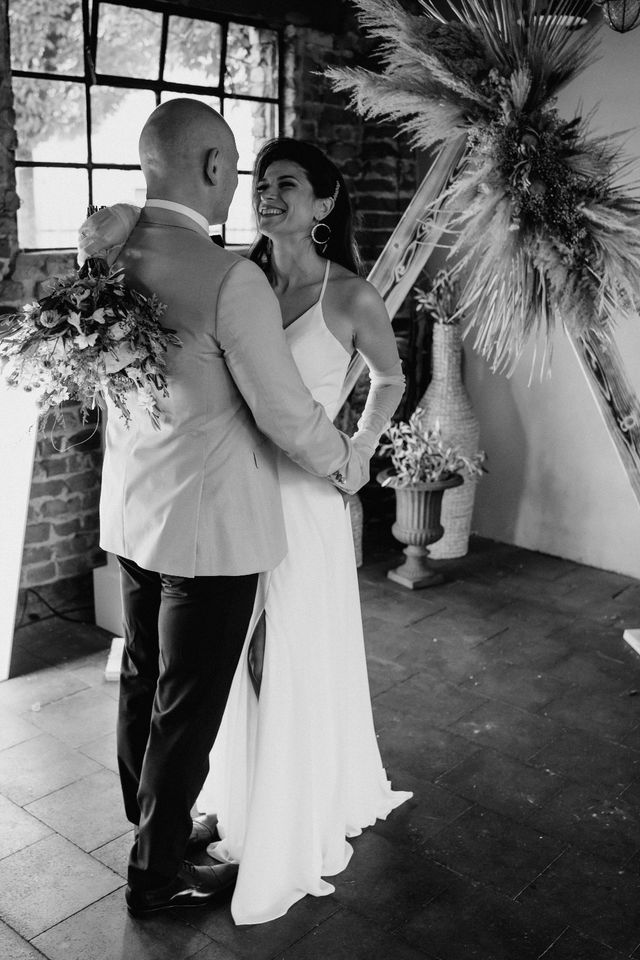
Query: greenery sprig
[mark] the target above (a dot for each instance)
(420, 455)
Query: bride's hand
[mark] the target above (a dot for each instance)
(104, 233)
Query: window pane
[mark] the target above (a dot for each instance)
(193, 52)
(53, 205)
(128, 42)
(252, 123)
(47, 37)
(118, 186)
(50, 120)
(171, 95)
(241, 225)
(117, 117)
(252, 61)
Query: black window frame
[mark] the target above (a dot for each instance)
(90, 17)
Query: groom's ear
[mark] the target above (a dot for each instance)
(211, 166)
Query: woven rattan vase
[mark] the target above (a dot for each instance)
(447, 402)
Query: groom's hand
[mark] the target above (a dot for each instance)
(355, 473)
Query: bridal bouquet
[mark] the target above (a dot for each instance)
(91, 337)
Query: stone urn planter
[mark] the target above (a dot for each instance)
(417, 524)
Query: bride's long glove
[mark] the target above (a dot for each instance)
(385, 393)
(104, 233)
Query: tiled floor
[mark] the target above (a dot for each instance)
(505, 699)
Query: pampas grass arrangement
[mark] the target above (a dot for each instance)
(546, 230)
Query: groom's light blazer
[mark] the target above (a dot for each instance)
(199, 496)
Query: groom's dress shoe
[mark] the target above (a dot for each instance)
(204, 830)
(193, 887)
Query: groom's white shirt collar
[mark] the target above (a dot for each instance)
(181, 208)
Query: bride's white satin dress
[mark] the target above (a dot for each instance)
(297, 771)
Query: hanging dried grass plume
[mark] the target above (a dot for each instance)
(547, 229)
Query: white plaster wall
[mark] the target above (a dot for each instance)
(556, 483)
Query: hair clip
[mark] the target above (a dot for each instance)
(336, 191)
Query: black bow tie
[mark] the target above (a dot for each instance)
(217, 238)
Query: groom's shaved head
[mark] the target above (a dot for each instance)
(177, 138)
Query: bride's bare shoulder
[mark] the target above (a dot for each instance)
(353, 295)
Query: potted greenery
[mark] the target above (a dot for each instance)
(423, 466)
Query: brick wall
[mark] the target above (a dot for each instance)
(61, 538)
(62, 532)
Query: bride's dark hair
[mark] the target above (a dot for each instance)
(324, 177)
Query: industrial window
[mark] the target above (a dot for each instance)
(85, 77)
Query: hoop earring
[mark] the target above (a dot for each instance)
(319, 242)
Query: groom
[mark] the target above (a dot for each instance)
(193, 509)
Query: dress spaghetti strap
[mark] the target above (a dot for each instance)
(324, 282)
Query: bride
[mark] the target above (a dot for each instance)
(296, 770)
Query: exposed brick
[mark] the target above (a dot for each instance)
(68, 527)
(40, 573)
(33, 555)
(48, 488)
(61, 508)
(71, 566)
(81, 482)
(75, 546)
(37, 532)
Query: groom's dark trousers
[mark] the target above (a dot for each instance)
(183, 639)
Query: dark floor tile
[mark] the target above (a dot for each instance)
(456, 627)
(574, 946)
(262, 941)
(594, 897)
(14, 947)
(414, 745)
(347, 936)
(470, 922)
(589, 759)
(386, 640)
(385, 674)
(105, 931)
(502, 783)
(59, 642)
(417, 820)
(78, 718)
(18, 828)
(473, 600)
(522, 686)
(605, 827)
(584, 634)
(88, 812)
(532, 613)
(597, 671)
(525, 646)
(388, 883)
(506, 729)
(38, 766)
(494, 850)
(450, 660)
(542, 566)
(431, 698)
(404, 608)
(604, 714)
(48, 881)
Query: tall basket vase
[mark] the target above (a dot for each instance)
(447, 402)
